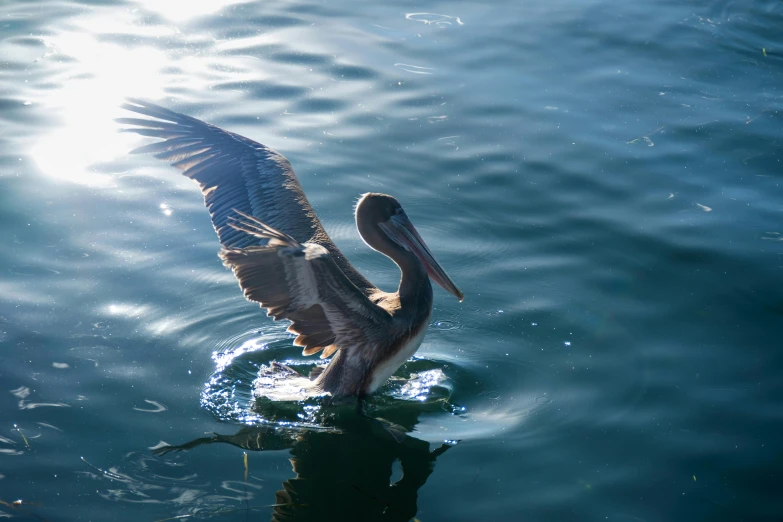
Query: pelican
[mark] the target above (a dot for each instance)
(285, 261)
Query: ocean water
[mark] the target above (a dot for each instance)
(601, 179)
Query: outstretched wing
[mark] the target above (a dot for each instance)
(302, 283)
(235, 172)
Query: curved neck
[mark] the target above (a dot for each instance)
(415, 290)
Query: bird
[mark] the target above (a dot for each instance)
(284, 260)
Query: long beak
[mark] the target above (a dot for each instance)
(404, 233)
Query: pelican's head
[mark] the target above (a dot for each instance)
(385, 227)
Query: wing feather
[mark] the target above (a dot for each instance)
(235, 172)
(302, 283)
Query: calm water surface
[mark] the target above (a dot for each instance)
(602, 180)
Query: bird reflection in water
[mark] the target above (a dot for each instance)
(342, 473)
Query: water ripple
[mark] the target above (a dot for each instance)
(415, 69)
(439, 20)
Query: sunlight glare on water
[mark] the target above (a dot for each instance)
(182, 10)
(84, 133)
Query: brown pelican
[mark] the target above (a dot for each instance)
(285, 261)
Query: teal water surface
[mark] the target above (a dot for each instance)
(601, 179)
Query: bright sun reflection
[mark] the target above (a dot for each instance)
(127, 310)
(181, 10)
(95, 84)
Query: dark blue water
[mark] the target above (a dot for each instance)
(601, 179)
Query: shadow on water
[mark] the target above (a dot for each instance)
(342, 473)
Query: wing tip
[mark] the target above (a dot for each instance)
(153, 110)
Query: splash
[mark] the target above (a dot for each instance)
(258, 382)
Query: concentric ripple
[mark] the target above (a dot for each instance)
(267, 360)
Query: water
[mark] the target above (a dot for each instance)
(601, 179)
